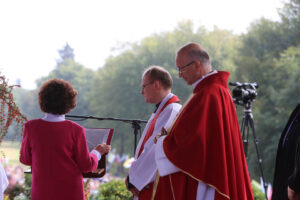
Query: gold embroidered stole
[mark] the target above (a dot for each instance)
(168, 131)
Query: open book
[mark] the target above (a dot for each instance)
(95, 136)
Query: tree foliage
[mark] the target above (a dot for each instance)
(79, 76)
(268, 54)
(116, 91)
(67, 53)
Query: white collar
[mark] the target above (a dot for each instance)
(203, 77)
(53, 118)
(164, 101)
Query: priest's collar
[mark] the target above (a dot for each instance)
(203, 77)
(53, 118)
(156, 107)
(163, 101)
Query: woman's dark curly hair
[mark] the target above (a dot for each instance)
(57, 96)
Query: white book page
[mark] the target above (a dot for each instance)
(96, 136)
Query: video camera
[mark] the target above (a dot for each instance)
(244, 93)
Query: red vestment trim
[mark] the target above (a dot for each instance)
(152, 125)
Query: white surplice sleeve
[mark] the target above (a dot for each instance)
(143, 169)
(165, 167)
(3, 181)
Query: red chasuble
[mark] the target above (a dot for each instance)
(205, 144)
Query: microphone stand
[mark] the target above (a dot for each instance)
(135, 123)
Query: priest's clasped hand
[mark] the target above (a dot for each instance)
(131, 188)
(103, 148)
(163, 132)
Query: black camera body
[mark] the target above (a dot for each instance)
(244, 93)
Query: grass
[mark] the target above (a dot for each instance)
(10, 150)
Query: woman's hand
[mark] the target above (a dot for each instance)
(103, 148)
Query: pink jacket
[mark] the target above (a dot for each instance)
(58, 154)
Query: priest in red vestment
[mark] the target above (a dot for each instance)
(56, 148)
(156, 88)
(202, 156)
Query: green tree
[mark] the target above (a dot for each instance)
(80, 77)
(290, 16)
(67, 53)
(68, 69)
(116, 92)
(265, 56)
(28, 102)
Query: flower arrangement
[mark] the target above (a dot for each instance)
(9, 111)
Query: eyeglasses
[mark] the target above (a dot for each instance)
(144, 86)
(181, 69)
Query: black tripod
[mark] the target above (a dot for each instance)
(247, 123)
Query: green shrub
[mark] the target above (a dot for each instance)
(257, 193)
(114, 190)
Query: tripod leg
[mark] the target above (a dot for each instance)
(259, 159)
(244, 131)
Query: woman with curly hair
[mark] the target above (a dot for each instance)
(56, 148)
